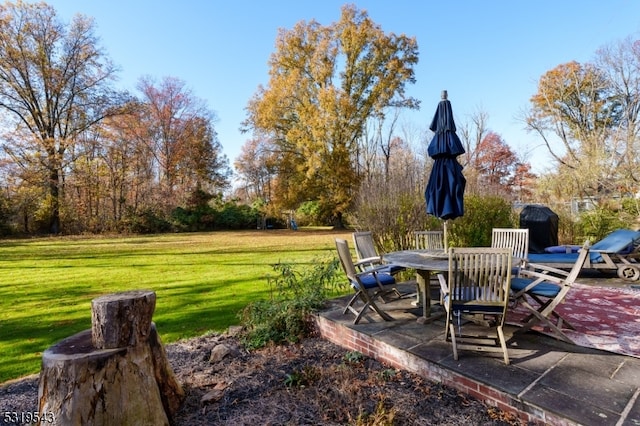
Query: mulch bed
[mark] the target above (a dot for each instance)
(311, 383)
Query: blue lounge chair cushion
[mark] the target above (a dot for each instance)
(369, 280)
(562, 257)
(617, 241)
(562, 249)
(544, 289)
(620, 241)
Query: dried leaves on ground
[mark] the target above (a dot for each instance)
(314, 382)
(311, 383)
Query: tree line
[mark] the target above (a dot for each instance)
(324, 143)
(79, 152)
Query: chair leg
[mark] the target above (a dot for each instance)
(503, 344)
(538, 318)
(385, 316)
(562, 322)
(446, 327)
(452, 331)
(350, 304)
(368, 304)
(382, 293)
(360, 314)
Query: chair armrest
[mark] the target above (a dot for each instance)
(539, 277)
(537, 267)
(368, 261)
(444, 287)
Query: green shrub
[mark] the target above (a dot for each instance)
(353, 357)
(295, 296)
(308, 214)
(631, 207)
(481, 215)
(597, 223)
(147, 221)
(232, 215)
(227, 215)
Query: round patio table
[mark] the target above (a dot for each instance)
(425, 262)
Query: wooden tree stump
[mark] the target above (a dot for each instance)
(122, 319)
(85, 379)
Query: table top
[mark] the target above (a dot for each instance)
(430, 260)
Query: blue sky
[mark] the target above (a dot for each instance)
(487, 54)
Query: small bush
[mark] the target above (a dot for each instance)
(147, 221)
(597, 223)
(353, 357)
(295, 296)
(308, 214)
(232, 215)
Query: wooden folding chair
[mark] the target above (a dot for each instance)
(429, 240)
(368, 284)
(541, 288)
(476, 298)
(367, 253)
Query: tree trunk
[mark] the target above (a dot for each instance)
(88, 379)
(54, 192)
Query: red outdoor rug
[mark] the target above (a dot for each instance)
(605, 318)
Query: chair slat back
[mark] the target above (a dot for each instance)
(429, 240)
(479, 277)
(365, 247)
(346, 260)
(516, 239)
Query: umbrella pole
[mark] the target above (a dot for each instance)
(446, 245)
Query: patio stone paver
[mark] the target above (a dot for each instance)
(547, 381)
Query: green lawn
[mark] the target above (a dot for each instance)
(201, 280)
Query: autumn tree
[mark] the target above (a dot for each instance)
(179, 132)
(494, 163)
(391, 200)
(54, 85)
(572, 112)
(256, 167)
(472, 132)
(620, 64)
(491, 167)
(112, 173)
(325, 83)
(131, 167)
(523, 182)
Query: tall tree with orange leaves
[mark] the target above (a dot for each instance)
(325, 83)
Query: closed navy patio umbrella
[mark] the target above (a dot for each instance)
(445, 190)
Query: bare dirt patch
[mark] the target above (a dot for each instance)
(311, 383)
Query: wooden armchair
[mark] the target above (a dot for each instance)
(368, 284)
(541, 288)
(475, 297)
